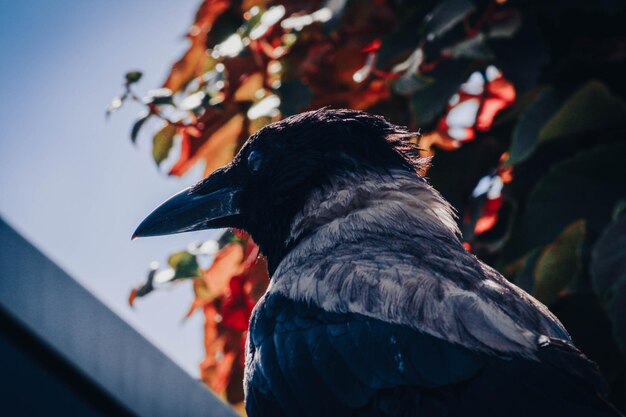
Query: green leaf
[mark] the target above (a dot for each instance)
(590, 327)
(591, 108)
(619, 210)
(445, 16)
(530, 122)
(474, 48)
(193, 102)
(410, 81)
(403, 40)
(608, 260)
(133, 76)
(616, 311)
(428, 103)
(294, 96)
(160, 96)
(137, 126)
(228, 23)
(505, 26)
(410, 84)
(185, 265)
(524, 57)
(608, 275)
(586, 186)
(550, 117)
(560, 263)
(162, 142)
(524, 276)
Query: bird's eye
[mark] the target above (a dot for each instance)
(255, 161)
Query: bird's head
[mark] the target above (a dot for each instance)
(274, 173)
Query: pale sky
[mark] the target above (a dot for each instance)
(71, 182)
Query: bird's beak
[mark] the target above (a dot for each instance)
(213, 203)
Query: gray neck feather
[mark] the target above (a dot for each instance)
(386, 246)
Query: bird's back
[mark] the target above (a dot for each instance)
(304, 361)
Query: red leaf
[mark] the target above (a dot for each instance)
(489, 216)
(373, 46)
(501, 94)
(237, 306)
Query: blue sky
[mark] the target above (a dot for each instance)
(72, 183)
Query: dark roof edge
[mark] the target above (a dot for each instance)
(102, 346)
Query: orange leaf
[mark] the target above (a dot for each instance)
(211, 318)
(249, 86)
(197, 303)
(222, 371)
(132, 296)
(257, 279)
(200, 289)
(376, 91)
(439, 139)
(222, 146)
(188, 67)
(486, 222)
(227, 263)
(193, 63)
(217, 145)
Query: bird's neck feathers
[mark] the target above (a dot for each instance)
(386, 245)
(376, 203)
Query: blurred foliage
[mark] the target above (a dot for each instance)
(520, 103)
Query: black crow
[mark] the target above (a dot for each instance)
(374, 306)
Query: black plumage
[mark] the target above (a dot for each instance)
(375, 308)
(303, 360)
